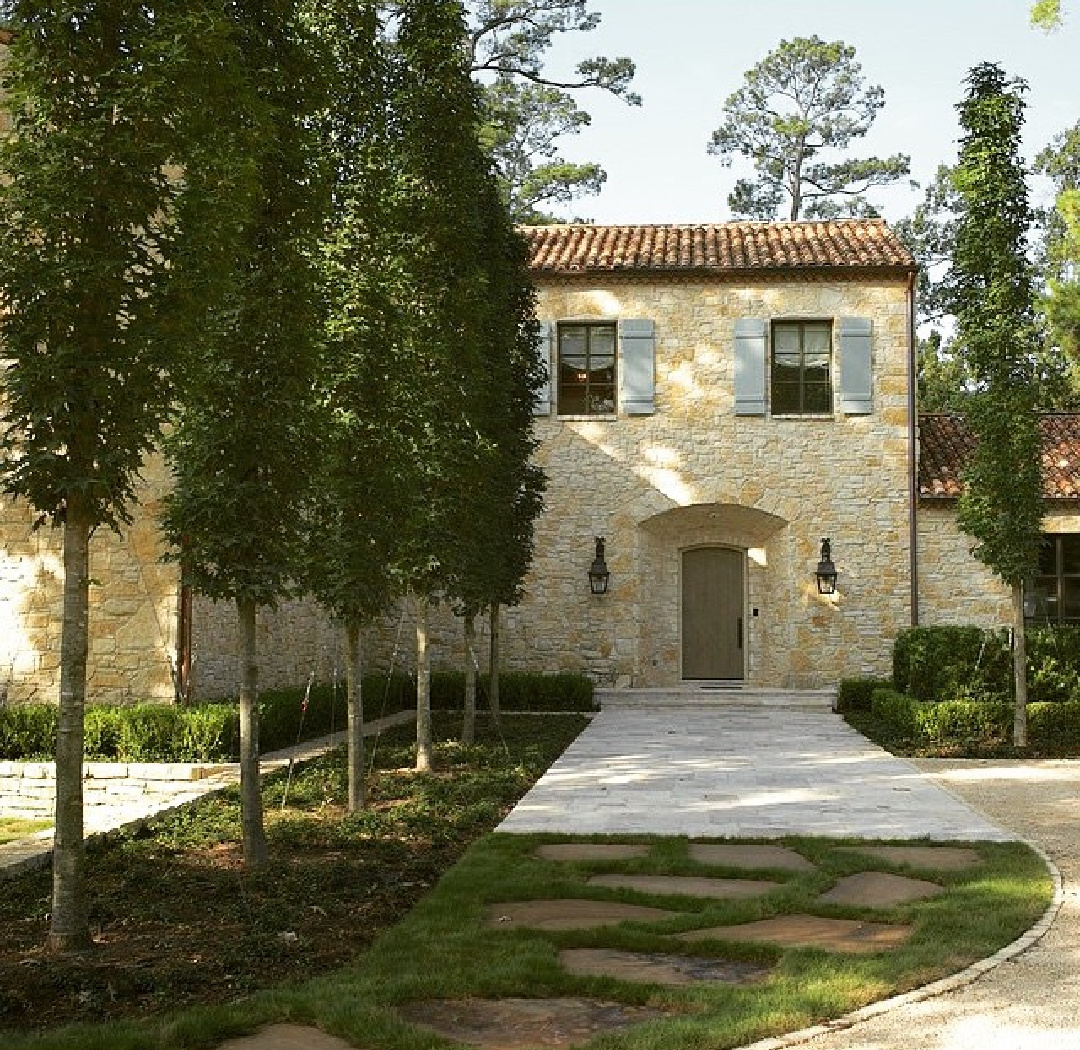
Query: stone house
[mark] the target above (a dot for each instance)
(722, 399)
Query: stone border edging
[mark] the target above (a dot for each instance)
(969, 975)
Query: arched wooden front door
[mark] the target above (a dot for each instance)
(712, 613)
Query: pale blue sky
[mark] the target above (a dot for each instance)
(692, 54)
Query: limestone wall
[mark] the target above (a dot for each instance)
(695, 474)
(133, 597)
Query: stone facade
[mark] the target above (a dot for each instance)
(134, 598)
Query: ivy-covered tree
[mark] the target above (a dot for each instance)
(114, 182)
(804, 99)
(248, 430)
(527, 110)
(998, 340)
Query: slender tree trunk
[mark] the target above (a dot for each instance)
(423, 690)
(493, 684)
(256, 853)
(355, 703)
(68, 927)
(1020, 728)
(468, 729)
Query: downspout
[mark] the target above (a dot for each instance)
(913, 457)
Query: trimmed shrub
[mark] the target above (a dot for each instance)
(28, 732)
(1055, 726)
(896, 708)
(1053, 664)
(964, 721)
(951, 662)
(518, 691)
(855, 694)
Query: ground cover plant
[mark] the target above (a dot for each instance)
(12, 828)
(178, 923)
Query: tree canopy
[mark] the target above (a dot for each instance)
(804, 99)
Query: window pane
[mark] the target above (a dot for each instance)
(785, 398)
(1070, 600)
(605, 375)
(601, 399)
(1070, 555)
(786, 339)
(572, 374)
(816, 398)
(572, 401)
(602, 340)
(1044, 595)
(1048, 557)
(817, 339)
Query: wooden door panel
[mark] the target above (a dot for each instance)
(712, 612)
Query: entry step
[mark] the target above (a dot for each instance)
(717, 694)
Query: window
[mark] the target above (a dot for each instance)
(1055, 597)
(586, 369)
(801, 368)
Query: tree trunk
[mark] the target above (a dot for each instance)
(69, 929)
(1020, 729)
(423, 690)
(355, 706)
(256, 853)
(468, 729)
(493, 677)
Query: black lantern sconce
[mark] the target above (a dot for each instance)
(826, 570)
(598, 571)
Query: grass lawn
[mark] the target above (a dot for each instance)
(12, 828)
(359, 914)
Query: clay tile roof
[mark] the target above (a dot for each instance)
(734, 247)
(945, 443)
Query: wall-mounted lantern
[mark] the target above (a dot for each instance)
(826, 570)
(598, 571)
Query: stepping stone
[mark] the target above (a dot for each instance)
(690, 886)
(736, 855)
(876, 889)
(573, 914)
(524, 1024)
(810, 931)
(933, 858)
(590, 851)
(658, 968)
(287, 1037)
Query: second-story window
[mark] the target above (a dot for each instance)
(801, 368)
(586, 369)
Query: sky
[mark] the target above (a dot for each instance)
(692, 54)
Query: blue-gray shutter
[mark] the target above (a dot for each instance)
(542, 400)
(749, 366)
(856, 366)
(637, 367)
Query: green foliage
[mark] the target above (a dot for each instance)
(518, 691)
(1055, 728)
(954, 721)
(938, 663)
(856, 694)
(805, 97)
(28, 731)
(996, 332)
(1047, 15)
(526, 110)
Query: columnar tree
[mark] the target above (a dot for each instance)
(806, 98)
(248, 430)
(113, 187)
(998, 339)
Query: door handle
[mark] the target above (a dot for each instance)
(740, 630)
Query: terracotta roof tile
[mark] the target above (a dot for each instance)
(945, 444)
(734, 247)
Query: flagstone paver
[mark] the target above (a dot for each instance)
(878, 889)
(691, 886)
(810, 931)
(287, 1037)
(524, 1024)
(741, 772)
(659, 967)
(930, 858)
(571, 914)
(742, 855)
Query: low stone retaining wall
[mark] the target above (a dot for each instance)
(28, 789)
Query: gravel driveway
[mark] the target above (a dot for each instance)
(1031, 1002)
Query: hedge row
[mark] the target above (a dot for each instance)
(1052, 726)
(210, 732)
(969, 663)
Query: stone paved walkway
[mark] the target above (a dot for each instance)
(740, 772)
